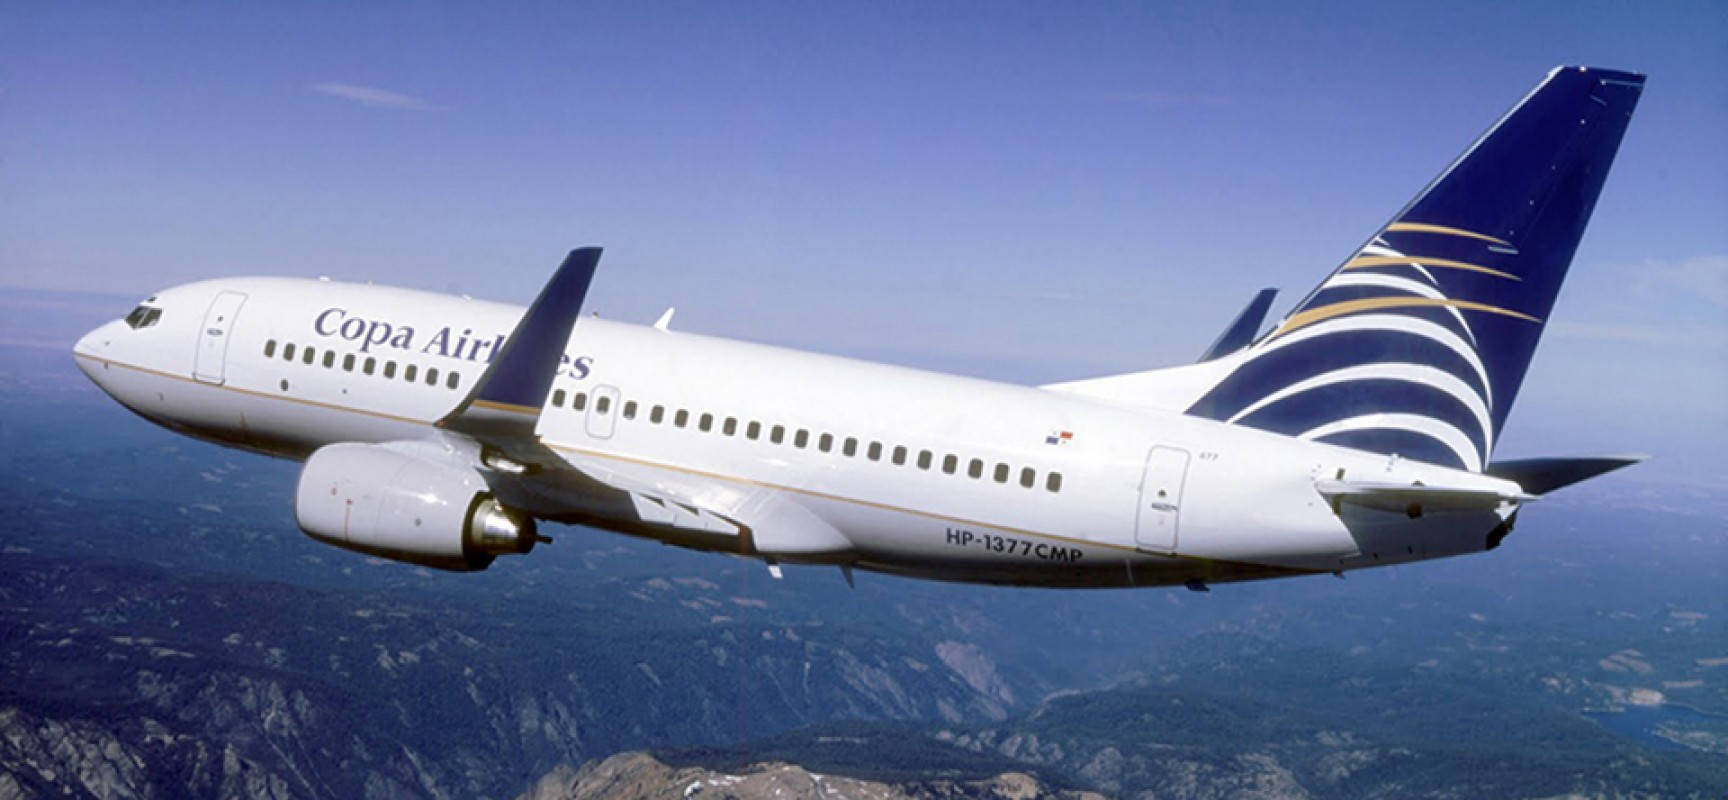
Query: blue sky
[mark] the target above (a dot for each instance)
(1028, 192)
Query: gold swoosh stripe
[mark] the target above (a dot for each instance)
(1361, 262)
(1423, 227)
(508, 407)
(1327, 312)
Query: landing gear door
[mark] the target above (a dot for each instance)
(603, 412)
(1161, 499)
(213, 335)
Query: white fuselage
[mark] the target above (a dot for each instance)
(1046, 488)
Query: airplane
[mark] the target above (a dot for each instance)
(1358, 431)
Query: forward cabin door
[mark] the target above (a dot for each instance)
(208, 365)
(602, 411)
(1161, 499)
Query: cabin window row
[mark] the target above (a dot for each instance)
(801, 438)
(367, 365)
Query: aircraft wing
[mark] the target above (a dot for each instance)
(700, 511)
(499, 422)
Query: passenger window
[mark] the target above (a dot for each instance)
(851, 447)
(558, 398)
(706, 423)
(950, 463)
(431, 376)
(409, 372)
(1053, 482)
(655, 416)
(1027, 477)
(288, 352)
(270, 349)
(371, 364)
(1001, 472)
(777, 434)
(603, 404)
(348, 363)
(753, 431)
(731, 426)
(924, 457)
(389, 369)
(826, 443)
(900, 454)
(630, 410)
(976, 468)
(308, 355)
(580, 402)
(682, 418)
(801, 438)
(875, 451)
(329, 359)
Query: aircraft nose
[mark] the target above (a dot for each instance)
(91, 351)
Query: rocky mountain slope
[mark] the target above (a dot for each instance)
(121, 678)
(639, 776)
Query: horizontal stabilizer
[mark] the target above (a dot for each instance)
(1544, 475)
(1414, 499)
(1242, 329)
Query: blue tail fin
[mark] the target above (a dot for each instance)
(1418, 343)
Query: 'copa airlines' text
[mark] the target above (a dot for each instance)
(448, 342)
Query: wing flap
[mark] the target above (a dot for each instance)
(767, 521)
(681, 508)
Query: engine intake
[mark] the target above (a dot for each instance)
(390, 502)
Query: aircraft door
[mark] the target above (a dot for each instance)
(602, 411)
(208, 364)
(1161, 499)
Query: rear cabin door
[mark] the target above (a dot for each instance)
(213, 336)
(602, 411)
(1161, 499)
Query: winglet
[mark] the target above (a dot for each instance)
(509, 394)
(1241, 331)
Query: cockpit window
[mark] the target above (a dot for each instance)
(143, 317)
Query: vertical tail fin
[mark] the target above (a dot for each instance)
(1417, 344)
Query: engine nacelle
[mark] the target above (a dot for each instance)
(386, 502)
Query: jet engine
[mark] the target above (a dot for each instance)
(392, 502)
